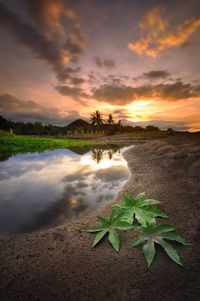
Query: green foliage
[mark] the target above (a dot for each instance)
(144, 212)
(110, 226)
(140, 209)
(151, 234)
(10, 144)
(6, 134)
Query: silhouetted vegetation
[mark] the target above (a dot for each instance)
(37, 128)
(108, 126)
(96, 118)
(110, 119)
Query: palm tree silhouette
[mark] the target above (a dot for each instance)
(110, 154)
(96, 118)
(119, 123)
(97, 155)
(110, 119)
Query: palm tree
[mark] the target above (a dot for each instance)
(119, 123)
(97, 155)
(96, 118)
(110, 119)
(110, 154)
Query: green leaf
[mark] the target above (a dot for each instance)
(127, 216)
(169, 249)
(129, 200)
(99, 236)
(94, 229)
(122, 225)
(155, 211)
(102, 221)
(142, 216)
(137, 241)
(149, 251)
(114, 239)
(149, 202)
(174, 236)
(111, 225)
(114, 215)
(141, 196)
(164, 228)
(151, 234)
(139, 208)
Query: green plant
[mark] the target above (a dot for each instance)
(152, 234)
(139, 208)
(110, 226)
(144, 212)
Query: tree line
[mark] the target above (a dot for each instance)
(109, 125)
(28, 128)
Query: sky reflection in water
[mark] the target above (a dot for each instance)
(42, 190)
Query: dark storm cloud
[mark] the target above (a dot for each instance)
(50, 42)
(108, 63)
(30, 111)
(156, 74)
(123, 95)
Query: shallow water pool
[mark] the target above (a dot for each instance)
(43, 190)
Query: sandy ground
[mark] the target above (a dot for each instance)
(59, 264)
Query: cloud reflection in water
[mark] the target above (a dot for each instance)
(42, 190)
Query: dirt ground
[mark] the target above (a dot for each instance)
(59, 264)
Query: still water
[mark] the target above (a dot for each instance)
(43, 190)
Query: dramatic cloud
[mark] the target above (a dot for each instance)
(45, 36)
(151, 26)
(30, 111)
(123, 95)
(154, 37)
(104, 62)
(70, 76)
(48, 13)
(116, 95)
(75, 92)
(156, 74)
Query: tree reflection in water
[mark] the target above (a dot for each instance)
(99, 154)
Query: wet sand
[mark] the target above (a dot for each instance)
(59, 264)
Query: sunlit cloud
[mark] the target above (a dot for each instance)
(123, 95)
(154, 36)
(46, 35)
(62, 56)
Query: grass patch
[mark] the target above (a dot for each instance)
(11, 144)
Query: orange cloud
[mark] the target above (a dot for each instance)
(182, 34)
(154, 36)
(153, 22)
(70, 13)
(48, 12)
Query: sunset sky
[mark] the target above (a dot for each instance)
(138, 59)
